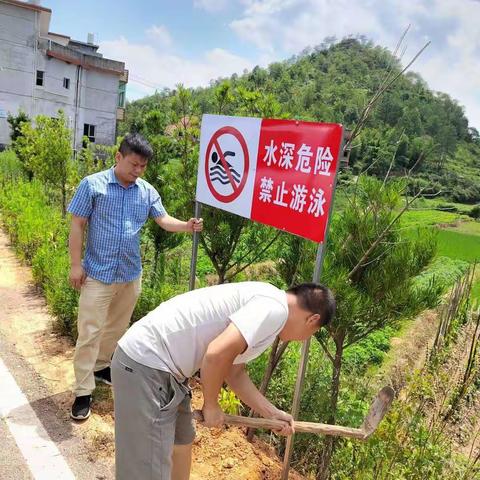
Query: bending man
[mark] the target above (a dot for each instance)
(217, 329)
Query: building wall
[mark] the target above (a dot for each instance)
(20, 59)
(98, 102)
(17, 63)
(52, 96)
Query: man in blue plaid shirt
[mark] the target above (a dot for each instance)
(115, 204)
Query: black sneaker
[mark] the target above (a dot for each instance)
(81, 407)
(103, 376)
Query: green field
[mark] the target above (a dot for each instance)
(424, 218)
(459, 240)
(459, 245)
(440, 203)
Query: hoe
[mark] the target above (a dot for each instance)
(377, 411)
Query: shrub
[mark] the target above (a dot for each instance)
(16, 123)
(229, 402)
(46, 152)
(40, 237)
(29, 219)
(370, 351)
(51, 266)
(152, 296)
(475, 212)
(447, 207)
(11, 169)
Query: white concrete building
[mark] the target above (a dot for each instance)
(42, 72)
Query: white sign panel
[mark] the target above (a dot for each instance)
(228, 157)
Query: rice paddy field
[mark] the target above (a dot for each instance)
(458, 234)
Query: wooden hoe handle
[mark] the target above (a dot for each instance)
(305, 427)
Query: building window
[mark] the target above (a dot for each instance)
(89, 131)
(40, 78)
(121, 100)
(122, 87)
(66, 83)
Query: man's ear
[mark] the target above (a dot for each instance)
(314, 319)
(118, 156)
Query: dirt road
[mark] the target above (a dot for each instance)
(41, 440)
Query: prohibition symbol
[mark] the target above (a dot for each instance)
(223, 168)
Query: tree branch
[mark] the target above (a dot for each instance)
(381, 236)
(382, 88)
(393, 158)
(326, 350)
(229, 277)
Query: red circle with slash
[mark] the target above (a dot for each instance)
(237, 188)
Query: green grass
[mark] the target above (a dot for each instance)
(459, 242)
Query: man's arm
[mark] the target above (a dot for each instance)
(216, 364)
(171, 224)
(246, 390)
(217, 367)
(75, 244)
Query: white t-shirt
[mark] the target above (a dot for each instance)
(174, 337)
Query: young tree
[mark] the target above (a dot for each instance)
(232, 242)
(163, 174)
(47, 152)
(172, 169)
(370, 266)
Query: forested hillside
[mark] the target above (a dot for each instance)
(332, 83)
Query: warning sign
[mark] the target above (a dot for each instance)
(277, 172)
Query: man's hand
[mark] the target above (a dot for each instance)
(195, 225)
(288, 428)
(77, 276)
(213, 416)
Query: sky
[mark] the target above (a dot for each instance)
(167, 42)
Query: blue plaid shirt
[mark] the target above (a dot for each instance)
(115, 217)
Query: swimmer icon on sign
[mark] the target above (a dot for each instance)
(226, 164)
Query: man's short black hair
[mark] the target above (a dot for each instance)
(316, 298)
(135, 143)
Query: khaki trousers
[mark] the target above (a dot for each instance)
(104, 312)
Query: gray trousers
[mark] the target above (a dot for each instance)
(152, 413)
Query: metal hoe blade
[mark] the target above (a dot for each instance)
(377, 411)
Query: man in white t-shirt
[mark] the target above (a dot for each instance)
(217, 330)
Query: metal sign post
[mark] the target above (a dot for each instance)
(302, 367)
(195, 240)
